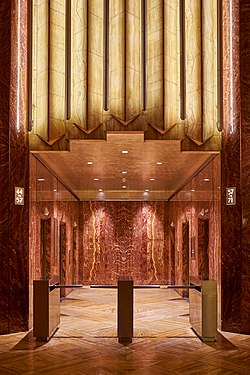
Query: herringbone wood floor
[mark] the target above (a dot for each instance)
(86, 343)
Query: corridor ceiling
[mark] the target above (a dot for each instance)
(99, 170)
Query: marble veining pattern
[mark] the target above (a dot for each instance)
(245, 141)
(123, 238)
(5, 17)
(231, 251)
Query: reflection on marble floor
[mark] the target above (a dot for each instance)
(86, 343)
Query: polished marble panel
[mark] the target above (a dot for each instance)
(245, 141)
(14, 167)
(231, 252)
(5, 59)
(123, 238)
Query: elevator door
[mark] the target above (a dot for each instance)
(172, 255)
(45, 248)
(62, 273)
(203, 239)
(74, 260)
(185, 257)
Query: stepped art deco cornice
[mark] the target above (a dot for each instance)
(132, 65)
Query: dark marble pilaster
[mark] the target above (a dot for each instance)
(14, 167)
(235, 220)
(5, 18)
(245, 142)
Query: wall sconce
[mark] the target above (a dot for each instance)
(46, 211)
(184, 219)
(202, 213)
(75, 224)
(172, 224)
(63, 218)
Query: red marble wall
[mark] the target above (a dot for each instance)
(14, 167)
(51, 201)
(198, 200)
(245, 178)
(123, 238)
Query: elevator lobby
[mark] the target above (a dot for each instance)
(124, 139)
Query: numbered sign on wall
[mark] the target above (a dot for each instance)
(230, 196)
(19, 196)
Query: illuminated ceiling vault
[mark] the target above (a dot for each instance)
(142, 70)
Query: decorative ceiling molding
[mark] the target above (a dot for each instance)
(197, 142)
(161, 131)
(52, 141)
(87, 131)
(127, 122)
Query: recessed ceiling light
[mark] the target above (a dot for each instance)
(205, 179)
(100, 190)
(89, 162)
(159, 163)
(124, 151)
(147, 190)
(54, 190)
(124, 180)
(124, 172)
(124, 186)
(40, 179)
(96, 179)
(152, 179)
(192, 189)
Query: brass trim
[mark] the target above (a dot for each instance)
(219, 67)
(144, 53)
(106, 56)
(183, 114)
(30, 75)
(68, 60)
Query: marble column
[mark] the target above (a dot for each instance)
(245, 157)
(235, 157)
(14, 167)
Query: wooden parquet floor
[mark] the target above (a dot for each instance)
(86, 342)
